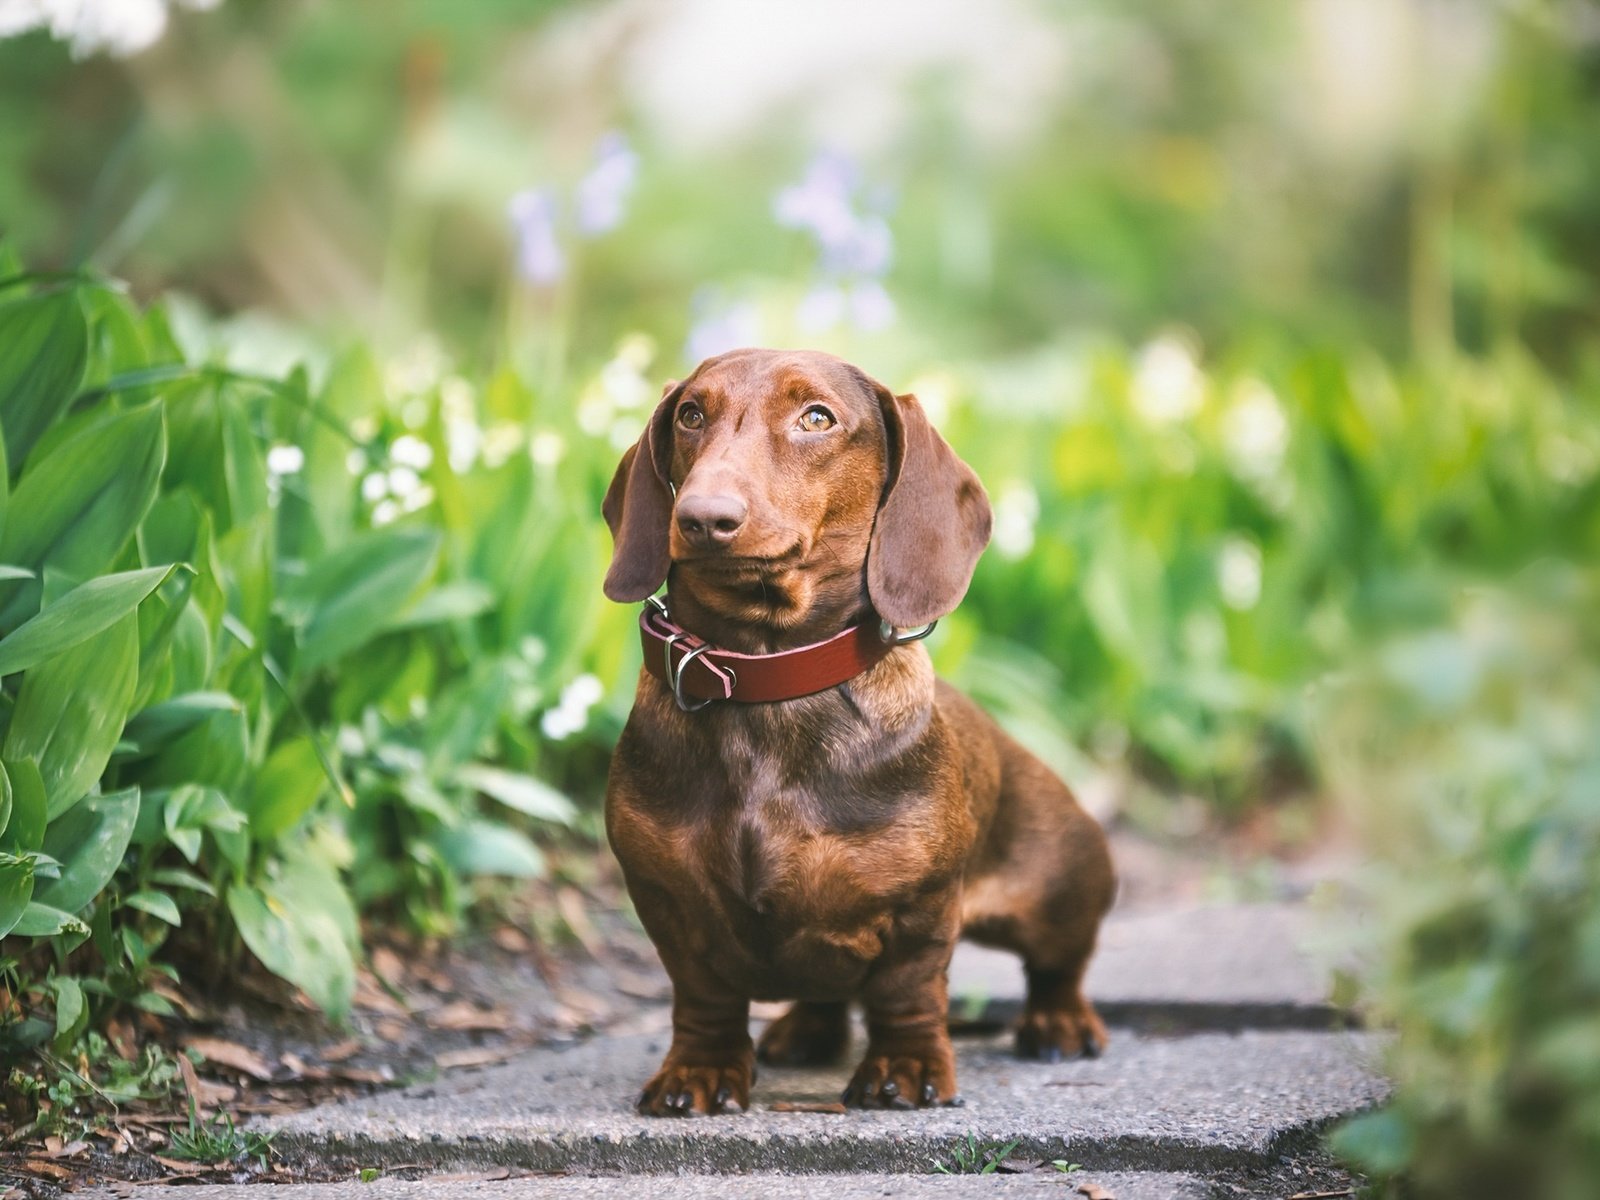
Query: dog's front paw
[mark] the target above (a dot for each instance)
(681, 1090)
(1052, 1035)
(897, 1079)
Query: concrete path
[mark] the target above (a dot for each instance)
(1227, 1062)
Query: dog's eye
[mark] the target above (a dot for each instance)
(815, 419)
(690, 416)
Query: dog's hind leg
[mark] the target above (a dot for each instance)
(810, 1034)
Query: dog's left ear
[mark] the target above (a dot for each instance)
(638, 508)
(933, 522)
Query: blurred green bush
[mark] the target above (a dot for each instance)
(1479, 784)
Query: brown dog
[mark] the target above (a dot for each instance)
(830, 847)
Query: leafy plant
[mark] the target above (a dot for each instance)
(971, 1157)
(217, 1141)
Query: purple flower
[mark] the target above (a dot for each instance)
(533, 222)
(721, 328)
(603, 192)
(854, 243)
(871, 307)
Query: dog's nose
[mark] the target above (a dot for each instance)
(711, 521)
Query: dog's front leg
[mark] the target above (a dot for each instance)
(711, 1063)
(909, 1061)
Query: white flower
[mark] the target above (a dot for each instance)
(1239, 573)
(1168, 386)
(374, 487)
(384, 512)
(355, 462)
(413, 452)
(501, 442)
(1255, 432)
(571, 712)
(284, 459)
(403, 481)
(1016, 511)
(117, 27)
(547, 448)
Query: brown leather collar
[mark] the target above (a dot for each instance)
(696, 670)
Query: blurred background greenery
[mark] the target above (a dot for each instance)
(1274, 338)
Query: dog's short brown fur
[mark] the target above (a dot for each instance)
(833, 847)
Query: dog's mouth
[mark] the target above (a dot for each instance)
(726, 562)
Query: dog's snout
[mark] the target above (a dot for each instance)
(710, 521)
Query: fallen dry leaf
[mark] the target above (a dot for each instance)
(340, 1051)
(464, 1015)
(180, 1167)
(371, 996)
(191, 1081)
(120, 1034)
(1094, 1191)
(392, 1030)
(55, 1148)
(1323, 1195)
(388, 966)
(807, 1106)
(575, 912)
(477, 1056)
(488, 1176)
(43, 1166)
(511, 940)
(231, 1054)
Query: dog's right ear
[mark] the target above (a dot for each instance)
(638, 508)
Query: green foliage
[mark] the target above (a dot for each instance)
(222, 684)
(218, 1141)
(1477, 750)
(972, 1157)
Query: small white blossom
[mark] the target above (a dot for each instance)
(547, 448)
(571, 712)
(1168, 386)
(1239, 573)
(413, 452)
(1255, 432)
(500, 442)
(374, 487)
(1016, 512)
(285, 459)
(384, 512)
(403, 481)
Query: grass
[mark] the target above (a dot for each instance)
(972, 1157)
(218, 1140)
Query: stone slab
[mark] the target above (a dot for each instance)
(1222, 967)
(1210, 1100)
(1121, 1185)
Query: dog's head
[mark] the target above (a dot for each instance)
(763, 462)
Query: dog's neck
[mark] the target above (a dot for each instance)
(767, 613)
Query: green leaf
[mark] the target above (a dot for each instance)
(84, 496)
(29, 813)
(71, 709)
(177, 877)
(157, 904)
(90, 841)
(81, 613)
(286, 787)
(346, 598)
(459, 600)
(71, 1012)
(159, 725)
(298, 943)
(192, 810)
(46, 342)
(40, 920)
(16, 888)
(479, 847)
(214, 752)
(5, 799)
(521, 792)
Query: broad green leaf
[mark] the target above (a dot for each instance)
(29, 808)
(521, 792)
(157, 904)
(484, 848)
(16, 888)
(158, 725)
(298, 943)
(40, 920)
(46, 341)
(5, 501)
(191, 811)
(345, 599)
(214, 752)
(71, 1012)
(459, 600)
(5, 799)
(89, 841)
(83, 496)
(81, 613)
(177, 877)
(71, 709)
(285, 788)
